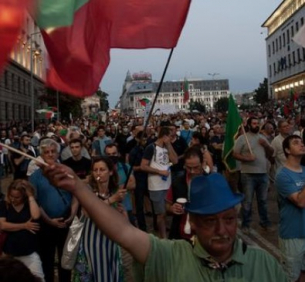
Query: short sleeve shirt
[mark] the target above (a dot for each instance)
(179, 261)
(292, 217)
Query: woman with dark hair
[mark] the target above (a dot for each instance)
(18, 218)
(99, 258)
(11, 269)
(198, 141)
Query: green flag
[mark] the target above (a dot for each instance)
(232, 126)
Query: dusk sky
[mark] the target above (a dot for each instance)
(219, 36)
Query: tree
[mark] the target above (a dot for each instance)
(198, 106)
(67, 103)
(222, 105)
(261, 93)
(104, 104)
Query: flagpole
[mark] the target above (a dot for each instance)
(152, 108)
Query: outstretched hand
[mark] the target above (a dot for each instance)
(57, 174)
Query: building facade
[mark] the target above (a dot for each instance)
(22, 79)
(285, 59)
(140, 85)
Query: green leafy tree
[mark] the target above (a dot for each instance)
(104, 104)
(197, 106)
(67, 103)
(261, 93)
(222, 105)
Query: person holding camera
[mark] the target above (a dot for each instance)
(58, 209)
(19, 214)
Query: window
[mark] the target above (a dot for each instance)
(18, 85)
(280, 41)
(6, 79)
(288, 37)
(302, 21)
(296, 26)
(276, 45)
(292, 31)
(273, 47)
(299, 55)
(13, 82)
(284, 39)
(274, 70)
(6, 111)
(289, 60)
(293, 57)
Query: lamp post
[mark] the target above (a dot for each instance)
(213, 77)
(32, 81)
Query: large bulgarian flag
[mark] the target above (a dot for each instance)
(78, 35)
(12, 13)
(233, 123)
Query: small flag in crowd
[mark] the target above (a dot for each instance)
(233, 123)
(49, 112)
(144, 101)
(185, 89)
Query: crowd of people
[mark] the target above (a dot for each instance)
(174, 167)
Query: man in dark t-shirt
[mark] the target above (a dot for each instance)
(80, 165)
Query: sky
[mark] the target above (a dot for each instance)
(219, 36)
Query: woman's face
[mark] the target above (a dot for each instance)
(16, 197)
(211, 133)
(101, 172)
(203, 131)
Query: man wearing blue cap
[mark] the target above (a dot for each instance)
(215, 255)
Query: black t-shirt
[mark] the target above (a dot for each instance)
(179, 146)
(22, 242)
(81, 168)
(21, 169)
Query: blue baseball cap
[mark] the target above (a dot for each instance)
(211, 194)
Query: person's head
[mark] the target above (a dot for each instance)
(25, 139)
(125, 130)
(11, 269)
(101, 131)
(186, 124)
(141, 140)
(49, 150)
(293, 145)
(211, 133)
(268, 128)
(3, 133)
(111, 151)
(193, 161)
(197, 139)
(203, 131)
(173, 130)
(17, 192)
(284, 127)
(213, 214)
(103, 171)
(164, 134)
(76, 147)
(253, 124)
(217, 129)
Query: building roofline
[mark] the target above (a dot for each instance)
(271, 16)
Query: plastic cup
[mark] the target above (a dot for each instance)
(181, 201)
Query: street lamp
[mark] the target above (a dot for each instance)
(31, 81)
